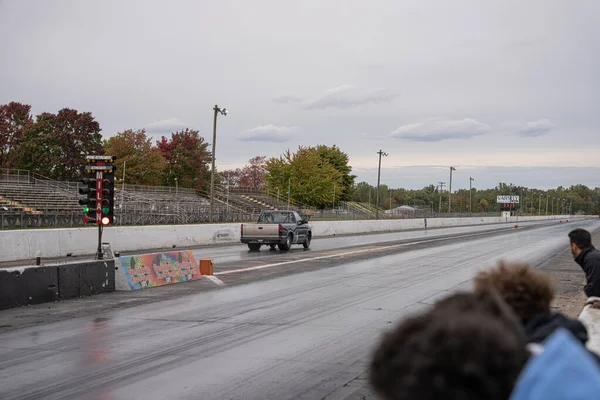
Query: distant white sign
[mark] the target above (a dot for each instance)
(508, 199)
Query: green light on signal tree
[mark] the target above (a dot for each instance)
(86, 209)
(105, 210)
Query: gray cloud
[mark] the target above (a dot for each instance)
(287, 99)
(531, 129)
(165, 126)
(347, 96)
(436, 130)
(268, 133)
(553, 74)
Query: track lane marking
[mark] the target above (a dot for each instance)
(214, 279)
(380, 248)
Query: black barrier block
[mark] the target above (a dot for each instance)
(28, 286)
(86, 279)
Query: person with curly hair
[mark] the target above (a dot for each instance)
(529, 292)
(468, 346)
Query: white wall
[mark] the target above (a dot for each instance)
(24, 244)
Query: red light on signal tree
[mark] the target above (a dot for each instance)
(105, 220)
(86, 219)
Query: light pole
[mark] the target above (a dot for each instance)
(450, 190)
(547, 198)
(540, 206)
(442, 184)
(223, 111)
(381, 153)
(471, 195)
(228, 184)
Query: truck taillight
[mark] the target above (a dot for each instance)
(242, 229)
(280, 228)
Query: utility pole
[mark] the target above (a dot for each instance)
(450, 191)
(441, 186)
(547, 198)
(381, 153)
(470, 195)
(223, 111)
(540, 206)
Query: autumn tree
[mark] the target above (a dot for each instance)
(340, 161)
(188, 159)
(144, 164)
(231, 178)
(55, 145)
(311, 178)
(14, 118)
(252, 176)
(484, 205)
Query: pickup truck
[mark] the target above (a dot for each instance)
(277, 228)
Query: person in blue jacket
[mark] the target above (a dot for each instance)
(563, 370)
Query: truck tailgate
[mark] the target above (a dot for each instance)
(261, 230)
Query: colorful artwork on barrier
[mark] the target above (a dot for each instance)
(159, 269)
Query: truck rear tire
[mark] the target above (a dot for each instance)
(306, 243)
(287, 245)
(254, 246)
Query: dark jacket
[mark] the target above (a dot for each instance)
(589, 260)
(543, 325)
(540, 327)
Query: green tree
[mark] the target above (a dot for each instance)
(55, 145)
(310, 177)
(144, 164)
(340, 162)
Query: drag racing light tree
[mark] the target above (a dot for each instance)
(88, 203)
(108, 199)
(217, 111)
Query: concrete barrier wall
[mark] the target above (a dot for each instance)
(35, 285)
(24, 244)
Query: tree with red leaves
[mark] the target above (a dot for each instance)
(144, 164)
(14, 118)
(55, 145)
(188, 159)
(251, 177)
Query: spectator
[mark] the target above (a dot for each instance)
(529, 293)
(464, 348)
(588, 259)
(563, 371)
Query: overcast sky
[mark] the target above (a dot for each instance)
(504, 90)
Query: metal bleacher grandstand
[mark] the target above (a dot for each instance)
(31, 200)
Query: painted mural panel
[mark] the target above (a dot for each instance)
(159, 269)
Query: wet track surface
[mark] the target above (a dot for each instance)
(239, 253)
(300, 336)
